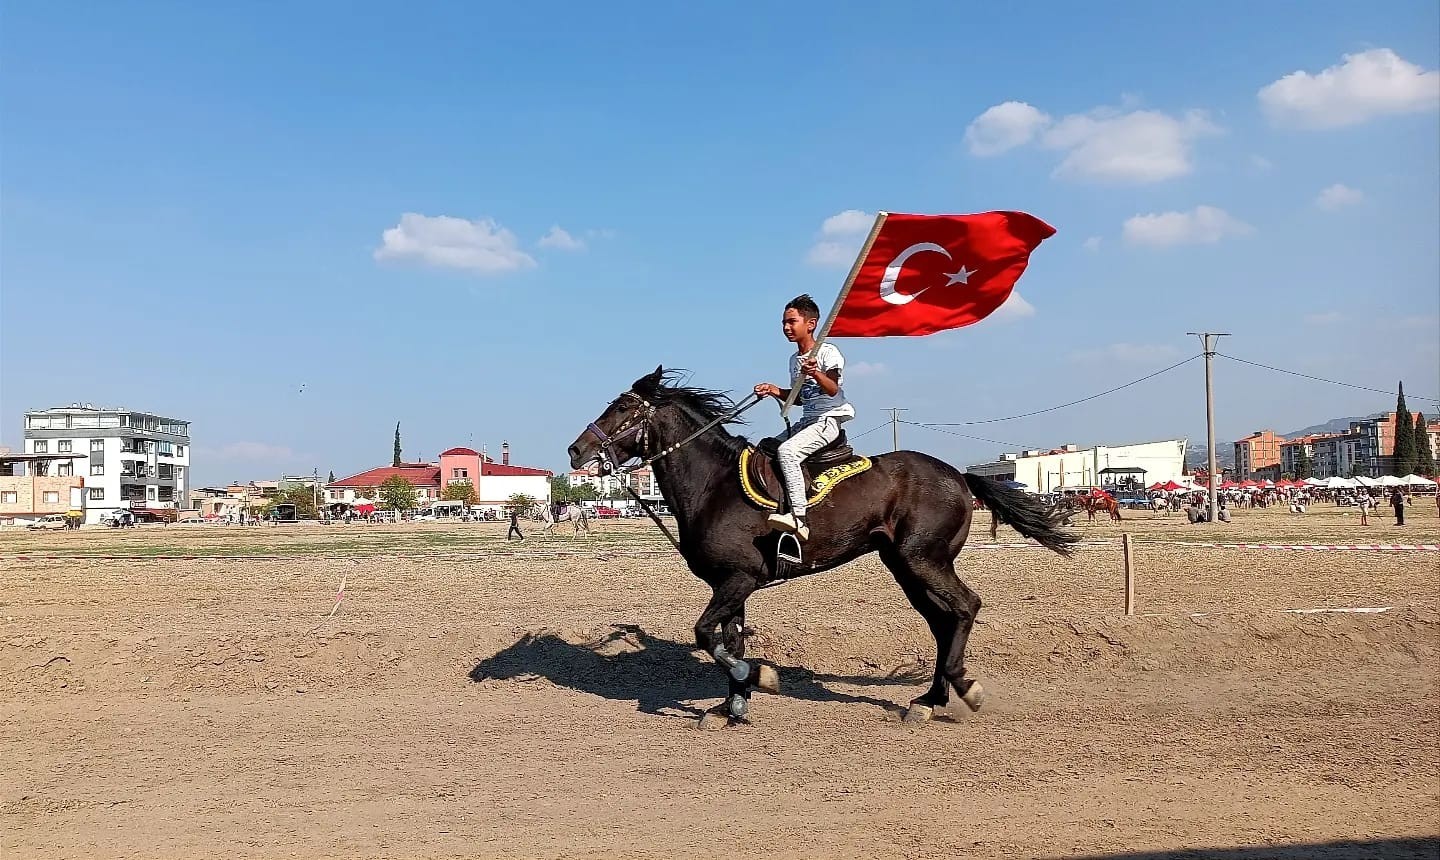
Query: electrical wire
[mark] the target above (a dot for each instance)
(867, 432)
(941, 429)
(1063, 405)
(1323, 379)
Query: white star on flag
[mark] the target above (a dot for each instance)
(960, 277)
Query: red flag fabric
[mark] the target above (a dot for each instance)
(929, 273)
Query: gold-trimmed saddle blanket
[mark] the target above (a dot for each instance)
(760, 480)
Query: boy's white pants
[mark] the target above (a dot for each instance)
(802, 441)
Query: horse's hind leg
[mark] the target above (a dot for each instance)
(949, 608)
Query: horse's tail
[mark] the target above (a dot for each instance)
(1022, 513)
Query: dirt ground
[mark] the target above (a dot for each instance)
(472, 698)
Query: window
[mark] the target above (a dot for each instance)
(167, 494)
(97, 469)
(65, 470)
(166, 448)
(150, 491)
(8, 498)
(50, 497)
(42, 447)
(179, 450)
(97, 494)
(97, 445)
(457, 474)
(63, 446)
(165, 472)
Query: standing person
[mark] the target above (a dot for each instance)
(822, 398)
(1397, 501)
(1364, 503)
(515, 525)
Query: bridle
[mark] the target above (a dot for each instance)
(640, 424)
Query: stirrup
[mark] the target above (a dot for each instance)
(787, 549)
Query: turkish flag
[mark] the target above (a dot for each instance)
(929, 273)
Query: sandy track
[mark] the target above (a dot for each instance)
(167, 709)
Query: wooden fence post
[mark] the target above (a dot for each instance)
(1129, 573)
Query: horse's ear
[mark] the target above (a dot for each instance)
(650, 381)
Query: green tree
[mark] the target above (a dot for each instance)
(461, 491)
(397, 494)
(583, 493)
(1356, 470)
(1425, 455)
(522, 502)
(560, 489)
(332, 477)
(1304, 465)
(1407, 453)
(303, 498)
(395, 460)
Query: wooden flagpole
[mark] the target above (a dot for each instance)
(824, 328)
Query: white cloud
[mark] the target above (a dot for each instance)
(248, 451)
(1201, 225)
(1140, 146)
(1326, 318)
(1004, 127)
(1015, 308)
(1093, 243)
(865, 368)
(840, 238)
(1261, 163)
(1365, 86)
(482, 247)
(1128, 353)
(1105, 144)
(560, 240)
(1338, 196)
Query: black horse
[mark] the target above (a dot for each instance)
(910, 507)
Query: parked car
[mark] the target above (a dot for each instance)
(49, 521)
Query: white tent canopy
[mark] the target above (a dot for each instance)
(361, 500)
(1314, 482)
(1417, 481)
(1367, 482)
(1391, 481)
(1338, 483)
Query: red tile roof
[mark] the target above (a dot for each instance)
(460, 452)
(499, 469)
(420, 475)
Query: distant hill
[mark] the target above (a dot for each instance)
(1334, 425)
(1196, 454)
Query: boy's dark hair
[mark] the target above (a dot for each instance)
(805, 305)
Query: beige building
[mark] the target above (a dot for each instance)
(1050, 471)
(31, 489)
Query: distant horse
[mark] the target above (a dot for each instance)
(1095, 504)
(911, 508)
(572, 513)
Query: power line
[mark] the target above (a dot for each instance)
(1065, 405)
(1323, 379)
(867, 432)
(939, 428)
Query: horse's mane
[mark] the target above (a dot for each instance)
(704, 403)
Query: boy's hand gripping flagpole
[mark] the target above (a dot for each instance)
(824, 328)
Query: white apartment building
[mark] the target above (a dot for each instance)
(642, 480)
(127, 459)
(1049, 471)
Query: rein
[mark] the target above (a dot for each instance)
(639, 425)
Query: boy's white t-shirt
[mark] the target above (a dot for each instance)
(815, 402)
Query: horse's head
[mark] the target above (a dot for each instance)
(622, 431)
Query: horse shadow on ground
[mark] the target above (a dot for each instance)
(658, 674)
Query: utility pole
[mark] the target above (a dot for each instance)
(895, 427)
(1207, 339)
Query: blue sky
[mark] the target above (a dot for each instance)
(194, 206)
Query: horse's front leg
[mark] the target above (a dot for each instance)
(720, 632)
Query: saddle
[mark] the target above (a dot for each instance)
(760, 473)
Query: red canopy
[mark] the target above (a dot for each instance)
(1249, 485)
(1230, 485)
(1157, 486)
(1171, 485)
(364, 510)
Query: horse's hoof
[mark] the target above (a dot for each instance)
(717, 717)
(767, 679)
(974, 696)
(918, 712)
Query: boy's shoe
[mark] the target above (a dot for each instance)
(788, 522)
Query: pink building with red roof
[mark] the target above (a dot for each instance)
(494, 482)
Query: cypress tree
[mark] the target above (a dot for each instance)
(1406, 451)
(1425, 456)
(396, 460)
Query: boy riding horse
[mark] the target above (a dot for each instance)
(824, 407)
